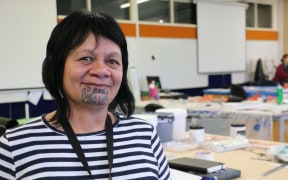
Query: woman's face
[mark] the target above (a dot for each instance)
(93, 72)
(285, 60)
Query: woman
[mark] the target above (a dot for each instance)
(281, 74)
(85, 71)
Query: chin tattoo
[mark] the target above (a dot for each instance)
(95, 96)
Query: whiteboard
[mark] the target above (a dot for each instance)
(25, 29)
(221, 37)
(173, 60)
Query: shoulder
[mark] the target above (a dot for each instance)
(132, 120)
(281, 65)
(134, 124)
(26, 128)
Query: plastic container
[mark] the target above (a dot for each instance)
(162, 122)
(197, 133)
(179, 123)
(237, 130)
(145, 95)
(165, 126)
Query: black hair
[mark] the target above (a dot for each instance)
(283, 57)
(70, 33)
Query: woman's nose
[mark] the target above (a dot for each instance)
(99, 69)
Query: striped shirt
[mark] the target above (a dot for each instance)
(36, 150)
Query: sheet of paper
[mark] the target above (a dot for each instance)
(34, 96)
(176, 174)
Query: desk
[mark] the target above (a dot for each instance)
(242, 159)
(266, 121)
(250, 91)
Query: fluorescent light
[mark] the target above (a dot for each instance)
(126, 5)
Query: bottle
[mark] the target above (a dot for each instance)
(279, 94)
(157, 91)
(152, 90)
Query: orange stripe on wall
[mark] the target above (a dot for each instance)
(162, 31)
(166, 31)
(128, 29)
(261, 35)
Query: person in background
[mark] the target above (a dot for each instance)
(281, 74)
(91, 134)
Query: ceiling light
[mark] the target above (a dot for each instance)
(126, 5)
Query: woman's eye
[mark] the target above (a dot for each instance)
(86, 59)
(113, 62)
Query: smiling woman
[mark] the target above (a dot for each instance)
(91, 134)
(94, 70)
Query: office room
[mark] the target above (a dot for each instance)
(184, 58)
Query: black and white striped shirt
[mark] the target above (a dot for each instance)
(37, 150)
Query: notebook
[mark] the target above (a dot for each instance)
(196, 165)
(224, 174)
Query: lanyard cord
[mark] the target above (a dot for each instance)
(77, 147)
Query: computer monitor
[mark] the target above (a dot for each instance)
(154, 78)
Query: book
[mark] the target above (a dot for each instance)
(224, 174)
(196, 165)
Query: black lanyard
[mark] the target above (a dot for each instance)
(77, 147)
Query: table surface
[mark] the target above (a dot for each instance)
(256, 114)
(270, 108)
(250, 91)
(242, 159)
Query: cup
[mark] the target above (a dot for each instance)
(197, 133)
(237, 130)
(206, 155)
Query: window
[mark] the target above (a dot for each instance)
(118, 9)
(113, 8)
(155, 11)
(264, 15)
(250, 15)
(65, 7)
(184, 12)
(181, 11)
(259, 15)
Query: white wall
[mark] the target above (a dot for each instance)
(267, 51)
(175, 61)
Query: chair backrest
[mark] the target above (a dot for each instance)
(238, 90)
(2, 129)
(259, 72)
(152, 107)
(7, 123)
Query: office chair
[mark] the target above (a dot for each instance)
(259, 73)
(2, 129)
(237, 93)
(152, 107)
(6, 123)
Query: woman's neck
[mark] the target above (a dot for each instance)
(86, 122)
